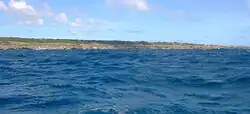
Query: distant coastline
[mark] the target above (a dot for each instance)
(58, 44)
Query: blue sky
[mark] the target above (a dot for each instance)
(196, 21)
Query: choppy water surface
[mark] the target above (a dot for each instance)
(125, 82)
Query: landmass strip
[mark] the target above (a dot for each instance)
(58, 44)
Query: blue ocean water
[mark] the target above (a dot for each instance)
(125, 82)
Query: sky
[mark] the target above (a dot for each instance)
(195, 21)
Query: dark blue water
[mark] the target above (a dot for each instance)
(125, 82)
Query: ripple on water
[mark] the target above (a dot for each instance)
(124, 81)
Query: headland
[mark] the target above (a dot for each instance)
(58, 44)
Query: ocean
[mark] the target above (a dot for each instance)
(141, 81)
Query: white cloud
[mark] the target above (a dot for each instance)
(140, 5)
(3, 7)
(92, 21)
(22, 12)
(91, 25)
(76, 23)
(134, 31)
(25, 14)
(46, 12)
(22, 8)
(31, 22)
(40, 21)
(61, 18)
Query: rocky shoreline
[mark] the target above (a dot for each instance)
(62, 44)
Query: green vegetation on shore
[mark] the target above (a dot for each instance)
(31, 43)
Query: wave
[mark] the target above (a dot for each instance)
(124, 81)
